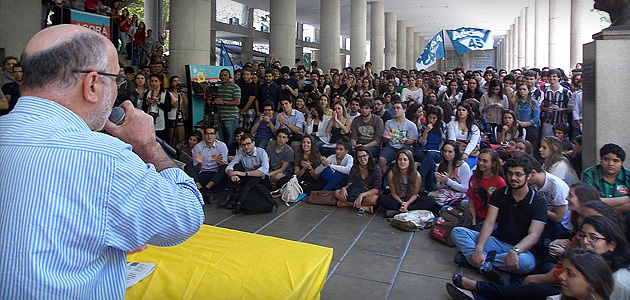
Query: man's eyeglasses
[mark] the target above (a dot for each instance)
(591, 237)
(117, 76)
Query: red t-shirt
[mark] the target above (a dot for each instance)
(480, 193)
(90, 4)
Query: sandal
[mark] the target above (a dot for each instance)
(457, 281)
(368, 209)
(361, 212)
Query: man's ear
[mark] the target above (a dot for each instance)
(91, 88)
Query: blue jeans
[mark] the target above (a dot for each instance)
(427, 160)
(466, 241)
(227, 130)
(334, 180)
(262, 141)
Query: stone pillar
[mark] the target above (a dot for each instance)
(377, 35)
(521, 39)
(213, 33)
(515, 45)
(358, 31)
(559, 34)
(151, 18)
(410, 60)
(247, 43)
(506, 51)
(416, 48)
(530, 35)
(401, 44)
(282, 31)
(299, 50)
(20, 21)
(584, 23)
(390, 40)
(541, 52)
(190, 37)
(604, 101)
(330, 20)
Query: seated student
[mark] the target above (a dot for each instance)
(292, 120)
(233, 147)
(555, 162)
(209, 160)
(509, 128)
(452, 176)
(316, 124)
(249, 167)
(336, 168)
(367, 129)
(555, 193)
(184, 149)
(404, 183)
(611, 178)
(338, 127)
(264, 127)
(522, 147)
(364, 185)
(520, 215)
(281, 157)
(465, 132)
(575, 157)
(561, 131)
(431, 137)
(487, 178)
(306, 165)
(355, 105)
(399, 133)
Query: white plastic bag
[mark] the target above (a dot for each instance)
(291, 190)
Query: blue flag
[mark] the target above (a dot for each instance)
(224, 58)
(433, 51)
(469, 39)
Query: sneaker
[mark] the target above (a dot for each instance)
(391, 213)
(459, 259)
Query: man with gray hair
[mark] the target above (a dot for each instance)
(75, 201)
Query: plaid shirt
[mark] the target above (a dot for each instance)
(619, 188)
(561, 97)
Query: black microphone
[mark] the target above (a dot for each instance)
(117, 116)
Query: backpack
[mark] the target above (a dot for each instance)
(450, 218)
(291, 190)
(255, 199)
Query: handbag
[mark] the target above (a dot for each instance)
(413, 220)
(447, 196)
(290, 191)
(462, 144)
(322, 198)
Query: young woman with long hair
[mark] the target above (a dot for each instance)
(527, 111)
(465, 132)
(415, 113)
(324, 102)
(555, 162)
(364, 184)
(473, 95)
(453, 94)
(487, 178)
(339, 125)
(179, 105)
(509, 128)
(366, 87)
(322, 87)
(335, 86)
(376, 85)
(487, 134)
(412, 92)
(493, 103)
(452, 176)
(337, 166)
(431, 137)
(316, 124)
(156, 103)
(306, 166)
(140, 89)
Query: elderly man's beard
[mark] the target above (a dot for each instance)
(100, 115)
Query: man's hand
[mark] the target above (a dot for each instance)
(137, 128)
(140, 249)
(220, 162)
(198, 158)
(478, 258)
(344, 193)
(511, 261)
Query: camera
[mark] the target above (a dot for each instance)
(211, 90)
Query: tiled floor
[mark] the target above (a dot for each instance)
(371, 259)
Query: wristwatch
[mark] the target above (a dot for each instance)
(248, 176)
(516, 249)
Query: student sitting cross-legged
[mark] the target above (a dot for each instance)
(364, 184)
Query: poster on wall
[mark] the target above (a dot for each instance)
(198, 78)
(479, 60)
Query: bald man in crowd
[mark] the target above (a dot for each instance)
(73, 201)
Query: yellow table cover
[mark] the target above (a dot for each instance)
(219, 263)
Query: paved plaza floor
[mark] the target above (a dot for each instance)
(371, 260)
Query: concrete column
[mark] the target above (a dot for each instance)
(530, 35)
(515, 64)
(559, 34)
(584, 23)
(416, 48)
(521, 39)
(190, 34)
(401, 44)
(411, 61)
(213, 33)
(377, 35)
(247, 50)
(330, 22)
(151, 16)
(358, 31)
(282, 31)
(299, 50)
(342, 60)
(541, 52)
(26, 21)
(390, 39)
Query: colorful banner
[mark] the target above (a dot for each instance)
(201, 74)
(97, 23)
(224, 58)
(467, 39)
(433, 51)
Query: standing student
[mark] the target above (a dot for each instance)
(493, 103)
(156, 103)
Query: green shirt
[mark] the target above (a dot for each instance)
(595, 177)
(228, 93)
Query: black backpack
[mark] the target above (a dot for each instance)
(255, 200)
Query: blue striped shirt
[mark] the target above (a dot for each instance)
(72, 201)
